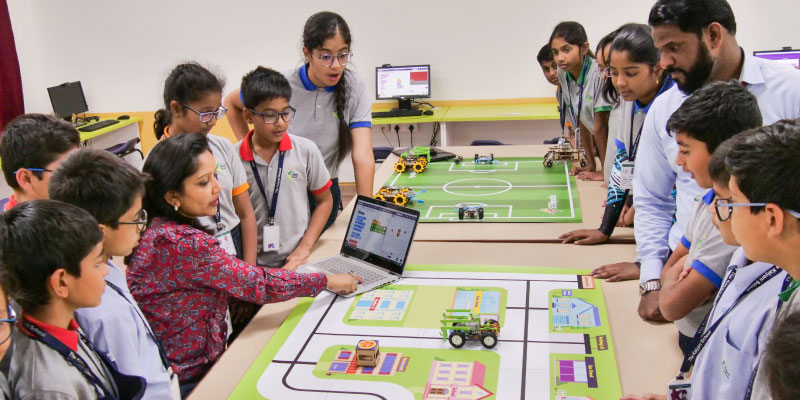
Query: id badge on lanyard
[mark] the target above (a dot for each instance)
(224, 236)
(271, 234)
(174, 385)
(271, 238)
(626, 179)
(225, 239)
(680, 388)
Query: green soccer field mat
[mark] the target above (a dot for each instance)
(512, 189)
(554, 340)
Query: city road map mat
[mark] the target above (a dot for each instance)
(554, 341)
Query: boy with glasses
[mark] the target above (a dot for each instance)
(713, 114)
(31, 147)
(735, 332)
(765, 219)
(112, 191)
(282, 169)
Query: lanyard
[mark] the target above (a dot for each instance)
(634, 143)
(562, 116)
(701, 337)
(270, 209)
(72, 357)
(749, 392)
(150, 332)
(577, 118)
(218, 220)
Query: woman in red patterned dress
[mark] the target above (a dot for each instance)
(179, 274)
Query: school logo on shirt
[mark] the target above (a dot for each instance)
(589, 97)
(220, 168)
(292, 174)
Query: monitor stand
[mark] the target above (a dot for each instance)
(404, 104)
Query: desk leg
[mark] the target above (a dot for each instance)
(443, 133)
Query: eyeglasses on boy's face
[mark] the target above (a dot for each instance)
(271, 117)
(343, 58)
(208, 116)
(140, 221)
(724, 208)
(6, 324)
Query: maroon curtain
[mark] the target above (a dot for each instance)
(11, 103)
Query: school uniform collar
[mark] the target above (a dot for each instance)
(637, 106)
(307, 84)
(12, 201)
(708, 198)
(116, 277)
(69, 337)
(166, 132)
(246, 152)
(587, 65)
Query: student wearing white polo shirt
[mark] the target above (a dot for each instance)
(282, 169)
(581, 87)
(736, 331)
(765, 197)
(697, 43)
(332, 103)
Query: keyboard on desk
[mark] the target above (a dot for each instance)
(98, 125)
(338, 265)
(396, 113)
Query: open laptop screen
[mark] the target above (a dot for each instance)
(380, 233)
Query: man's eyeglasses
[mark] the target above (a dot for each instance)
(207, 116)
(727, 208)
(6, 324)
(343, 58)
(140, 222)
(271, 117)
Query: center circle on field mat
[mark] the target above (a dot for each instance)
(477, 187)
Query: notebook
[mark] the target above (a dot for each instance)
(376, 245)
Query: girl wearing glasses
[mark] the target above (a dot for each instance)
(635, 74)
(332, 103)
(581, 84)
(193, 104)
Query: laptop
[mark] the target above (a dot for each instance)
(376, 245)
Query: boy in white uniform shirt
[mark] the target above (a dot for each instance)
(281, 169)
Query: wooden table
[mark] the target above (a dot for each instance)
(591, 196)
(647, 353)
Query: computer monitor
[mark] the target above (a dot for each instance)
(403, 83)
(786, 56)
(67, 100)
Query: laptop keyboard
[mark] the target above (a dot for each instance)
(340, 266)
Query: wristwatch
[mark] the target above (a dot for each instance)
(649, 286)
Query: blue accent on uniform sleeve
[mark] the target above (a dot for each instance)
(712, 276)
(685, 242)
(619, 144)
(361, 124)
(708, 197)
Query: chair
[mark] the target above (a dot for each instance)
(123, 149)
(381, 153)
(484, 142)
